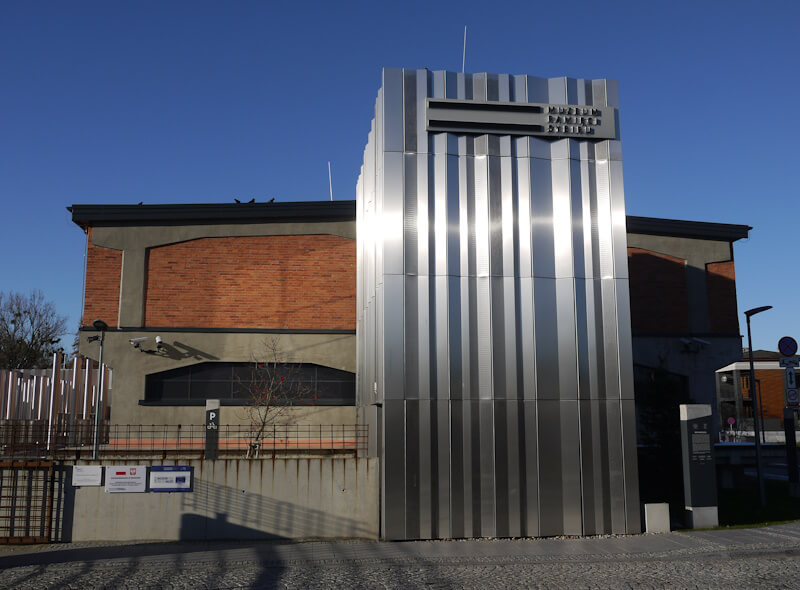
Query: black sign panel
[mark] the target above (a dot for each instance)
(699, 469)
(212, 434)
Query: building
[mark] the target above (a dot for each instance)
(494, 360)
(735, 400)
(214, 282)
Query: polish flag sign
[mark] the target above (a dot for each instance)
(126, 478)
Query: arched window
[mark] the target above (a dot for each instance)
(231, 383)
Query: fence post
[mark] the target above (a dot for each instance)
(50, 409)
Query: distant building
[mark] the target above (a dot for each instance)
(735, 399)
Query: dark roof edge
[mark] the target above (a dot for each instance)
(686, 229)
(89, 215)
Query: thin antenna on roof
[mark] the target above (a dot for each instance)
(330, 182)
(464, 53)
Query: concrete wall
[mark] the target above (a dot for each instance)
(131, 366)
(698, 358)
(236, 499)
(186, 347)
(697, 254)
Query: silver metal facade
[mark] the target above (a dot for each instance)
(494, 341)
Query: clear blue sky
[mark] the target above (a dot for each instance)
(180, 102)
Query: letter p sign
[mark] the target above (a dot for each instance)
(212, 429)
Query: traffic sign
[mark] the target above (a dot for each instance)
(731, 421)
(789, 361)
(792, 398)
(787, 346)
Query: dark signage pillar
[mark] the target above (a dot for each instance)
(212, 429)
(699, 469)
(791, 451)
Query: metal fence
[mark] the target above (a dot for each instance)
(71, 391)
(26, 501)
(33, 439)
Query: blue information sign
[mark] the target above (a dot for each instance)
(171, 478)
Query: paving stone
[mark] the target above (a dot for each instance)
(752, 558)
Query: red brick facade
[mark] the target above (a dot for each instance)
(723, 314)
(265, 282)
(772, 396)
(659, 296)
(103, 275)
(309, 283)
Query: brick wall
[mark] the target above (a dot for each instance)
(659, 297)
(277, 282)
(101, 297)
(772, 396)
(723, 314)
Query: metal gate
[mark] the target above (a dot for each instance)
(26, 501)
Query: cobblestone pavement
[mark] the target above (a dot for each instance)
(755, 558)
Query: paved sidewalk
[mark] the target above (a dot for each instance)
(767, 557)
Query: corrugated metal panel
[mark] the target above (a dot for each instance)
(493, 317)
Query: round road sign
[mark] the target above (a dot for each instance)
(787, 346)
(731, 420)
(792, 398)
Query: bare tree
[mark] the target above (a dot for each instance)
(275, 385)
(30, 330)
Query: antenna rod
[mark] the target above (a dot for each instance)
(330, 182)
(464, 53)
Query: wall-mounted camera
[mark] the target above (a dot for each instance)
(137, 342)
(159, 342)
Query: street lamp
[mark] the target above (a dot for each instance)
(748, 314)
(101, 327)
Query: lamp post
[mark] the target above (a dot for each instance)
(101, 327)
(748, 314)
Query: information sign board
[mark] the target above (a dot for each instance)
(126, 478)
(171, 478)
(790, 387)
(87, 475)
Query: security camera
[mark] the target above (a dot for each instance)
(136, 342)
(159, 342)
(701, 341)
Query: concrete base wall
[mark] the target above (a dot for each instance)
(236, 499)
(131, 367)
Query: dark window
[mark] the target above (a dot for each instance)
(232, 383)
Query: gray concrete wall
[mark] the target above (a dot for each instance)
(131, 366)
(182, 348)
(697, 254)
(237, 499)
(698, 361)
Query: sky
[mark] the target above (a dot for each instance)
(200, 102)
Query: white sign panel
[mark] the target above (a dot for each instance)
(126, 478)
(170, 478)
(87, 475)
